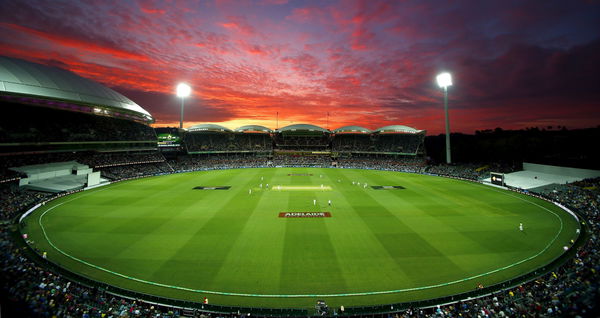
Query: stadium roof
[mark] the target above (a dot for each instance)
(398, 129)
(209, 127)
(352, 129)
(23, 78)
(302, 127)
(253, 128)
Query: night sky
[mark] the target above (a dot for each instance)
(515, 64)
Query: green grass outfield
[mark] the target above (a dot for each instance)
(435, 237)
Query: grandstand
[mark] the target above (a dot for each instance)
(349, 139)
(254, 138)
(399, 139)
(302, 137)
(305, 140)
(85, 115)
(216, 139)
(52, 115)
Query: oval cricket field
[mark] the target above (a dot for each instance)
(284, 237)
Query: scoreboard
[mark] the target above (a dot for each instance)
(497, 178)
(168, 140)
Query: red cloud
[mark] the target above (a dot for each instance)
(78, 44)
(304, 15)
(239, 24)
(303, 63)
(362, 39)
(150, 8)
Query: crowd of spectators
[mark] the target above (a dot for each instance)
(15, 200)
(572, 290)
(472, 171)
(403, 164)
(398, 143)
(589, 184)
(352, 142)
(50, 125)
(227, 142)
(200, 162)
(301, 142)
(469, 171)
(289, 160)
(100, 160)
(404, 143)
(135, 170)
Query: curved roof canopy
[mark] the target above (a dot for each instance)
(208, 127)
(303, 127)
(253, 128)
(352, 130)
(398, 129)
(20, 77)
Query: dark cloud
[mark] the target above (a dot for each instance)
(526, 71)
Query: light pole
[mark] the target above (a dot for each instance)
(444, 80)
(183, 91)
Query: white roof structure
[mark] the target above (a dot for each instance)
(303, 127)
(22, 78)
(398, 129)
(253, 128)
(208, 127)
(352, 130)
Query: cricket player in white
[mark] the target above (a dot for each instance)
(521, 227)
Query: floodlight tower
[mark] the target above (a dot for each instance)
(183, 91)
(444, 80)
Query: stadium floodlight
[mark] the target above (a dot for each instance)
(444, 80)
(183, 91)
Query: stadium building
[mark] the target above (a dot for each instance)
(305, 141)
(53, 115)
(102, 215)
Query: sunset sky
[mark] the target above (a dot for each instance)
(515, 64)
